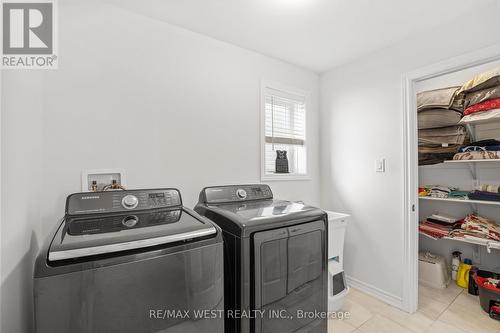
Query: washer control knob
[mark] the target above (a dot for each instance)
(130, 201)
(241, 193)
(130, 221)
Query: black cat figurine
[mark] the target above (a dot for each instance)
(281, 161)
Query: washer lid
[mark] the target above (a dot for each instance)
(244, 218)
(83, 236)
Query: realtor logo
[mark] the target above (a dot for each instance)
(28, 34)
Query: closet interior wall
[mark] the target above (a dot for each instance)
(458, 175)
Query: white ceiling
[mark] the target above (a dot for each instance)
(315, 34)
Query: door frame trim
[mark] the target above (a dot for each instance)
(410, 159)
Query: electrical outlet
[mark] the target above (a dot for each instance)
(102, 177)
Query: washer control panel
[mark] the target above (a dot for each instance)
(121, 201)
(97, 224)
(236, 193)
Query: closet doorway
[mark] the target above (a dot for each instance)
(464, 176)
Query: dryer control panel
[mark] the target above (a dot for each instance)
(122, 201)
(235, 193)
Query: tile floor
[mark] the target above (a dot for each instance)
(451, 310)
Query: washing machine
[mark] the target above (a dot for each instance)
(130, 261)
(275, 259)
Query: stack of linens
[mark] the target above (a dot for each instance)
(481, 97)
(479, 150)
(439, 135)
(478, 227)
(442, 192)
(438, 225)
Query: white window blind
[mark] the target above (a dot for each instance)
(285, 129)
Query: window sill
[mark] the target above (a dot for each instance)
(284, 177)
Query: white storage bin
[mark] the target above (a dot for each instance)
(337, 288)
(432, 270)
(337, 224)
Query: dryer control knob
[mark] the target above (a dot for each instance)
(241, 193)
(130, 201)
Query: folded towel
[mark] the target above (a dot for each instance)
(459, 194)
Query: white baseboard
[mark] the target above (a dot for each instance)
(376, 292)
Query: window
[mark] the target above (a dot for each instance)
(284, 134)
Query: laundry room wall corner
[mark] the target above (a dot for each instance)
(361, 120)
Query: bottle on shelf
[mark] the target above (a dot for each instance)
(463, 273)
(455, 262)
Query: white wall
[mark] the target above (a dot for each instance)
(171, 107)
(362, 119)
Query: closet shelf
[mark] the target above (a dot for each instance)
(482, 121)
(472, 161)
(467, 201)
(489, 244)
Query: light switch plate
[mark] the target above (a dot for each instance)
(103, 177)
(380, 165)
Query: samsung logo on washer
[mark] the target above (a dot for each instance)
(29, 31)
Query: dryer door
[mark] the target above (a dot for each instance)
(290, 277)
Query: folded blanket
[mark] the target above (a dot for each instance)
(482, 195)
(435, 229)
(478, 226)
(434, 118)
(484, 106)
(477, 155)
(470, 147)
(480, 96)
(488, 144)
(485, 143)
(483, 116)
(437, 149)
(438, 99)
(484, 80)
(434, 158)
(443, 135)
